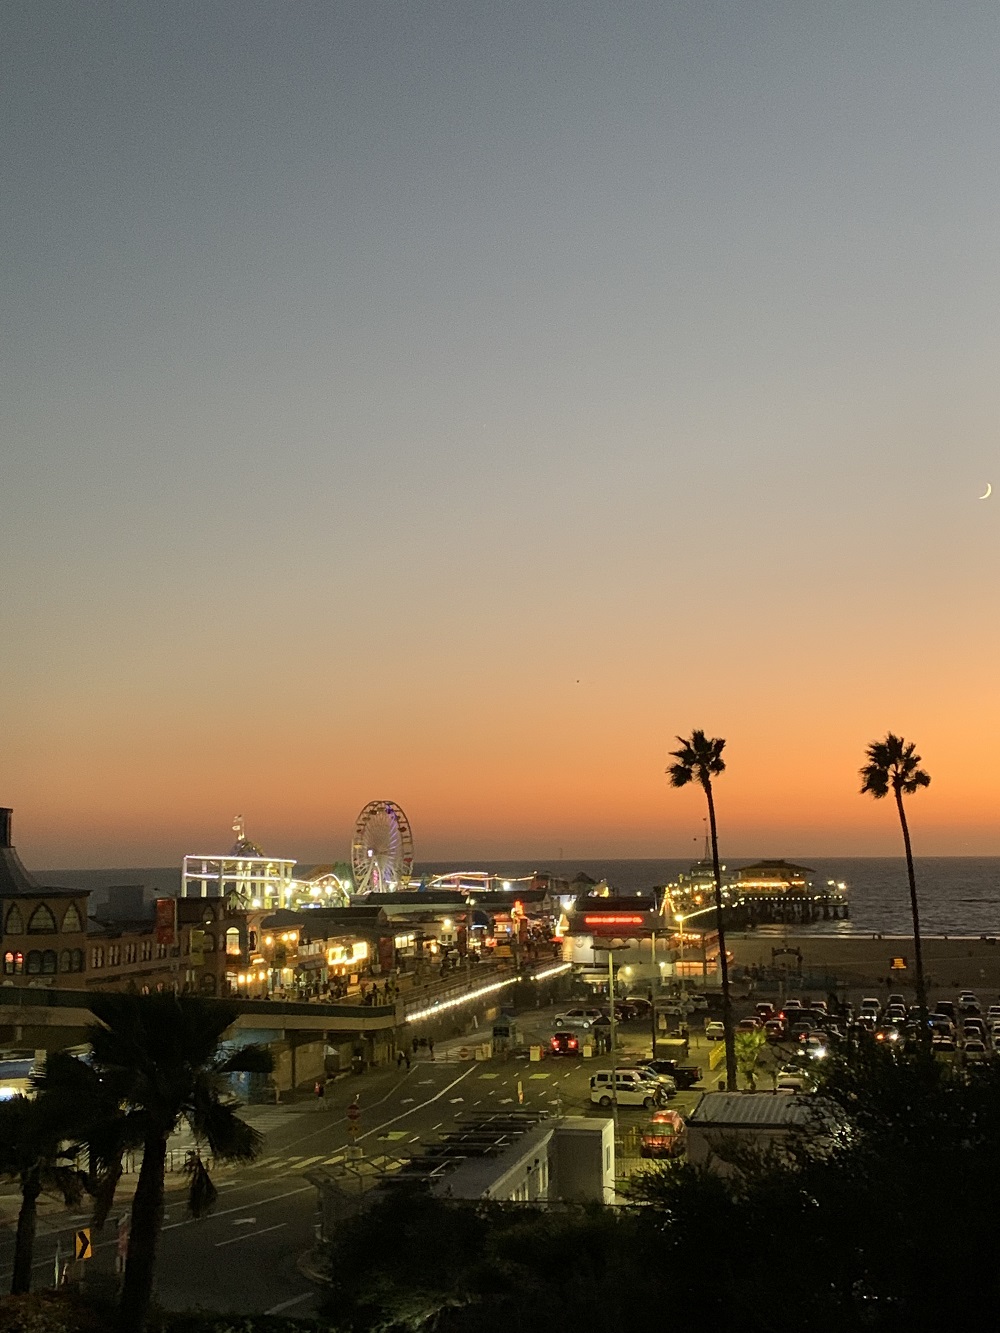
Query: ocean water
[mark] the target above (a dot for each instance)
(959, 895)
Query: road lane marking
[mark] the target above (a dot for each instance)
(333, 1161)
(249, 1235)
(303, 1189)
(437, 1126)
(308, 1161)
(489, 1075)
(402, 1116)
(287, 1305)
(538, 1075)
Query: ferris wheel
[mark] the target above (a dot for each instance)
(382, 850)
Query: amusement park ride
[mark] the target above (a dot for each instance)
(382, 849)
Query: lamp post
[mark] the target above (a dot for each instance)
(684, 1015)
(614, 1039)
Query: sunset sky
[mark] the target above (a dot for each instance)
(452, 401)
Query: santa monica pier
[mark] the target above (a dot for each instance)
(339, 966)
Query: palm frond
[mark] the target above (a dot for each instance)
(699, 759)
(893, 765)
(251, 1059)
(229, 1138)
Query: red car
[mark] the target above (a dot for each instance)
(564, 1043)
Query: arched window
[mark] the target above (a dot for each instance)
(233, 941)
(77, 960)
(50, 962)
(208, 943)
(208, 917)
(34, 962)
(72, 925)
(15, 922)
(66, 961)
(8, 964)
(41, 921)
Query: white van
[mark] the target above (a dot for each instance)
(631, 1087)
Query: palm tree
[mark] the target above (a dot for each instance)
(893, 764)
(93, 1111)
(31, 1152)
(700, 760)
(162, 1057)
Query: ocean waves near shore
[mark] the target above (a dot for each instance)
(959, 895)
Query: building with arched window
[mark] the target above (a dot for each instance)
(43, 929)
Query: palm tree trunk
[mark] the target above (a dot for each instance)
(727, 1004)
(147, 1220)
(915, 910)
(24, 1241)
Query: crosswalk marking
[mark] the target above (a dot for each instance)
(308, 1161)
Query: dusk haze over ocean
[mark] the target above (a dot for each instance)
(453, 403)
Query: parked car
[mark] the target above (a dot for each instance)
(685, 1076)
(579, 1018)
(564, 1043)
(699, 1001)
(820, 1006)
(870, 1005)
(815, 1046)
(667, 1082)
(640, 1005)
(765, 1011)
(629, 1087)
(945, 1007)
(895, 999)
(943, 1043)
(972, 1026)
(974, 1048)
(793, 1078)
(664, 1136)
(748, 1025)
(774, 1030)
(993, 1013)
(714, 1031)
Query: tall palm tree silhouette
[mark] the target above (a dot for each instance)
(893, 765)
(700, 760)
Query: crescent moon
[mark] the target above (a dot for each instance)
(989, 491)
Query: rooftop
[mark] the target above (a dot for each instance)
(759, 1110)
(15, 880)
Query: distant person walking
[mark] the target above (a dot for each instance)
(430, 1046)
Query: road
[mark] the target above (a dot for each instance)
(244, 1255)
